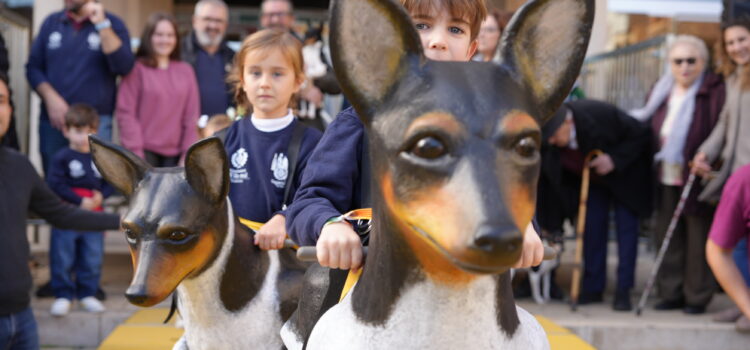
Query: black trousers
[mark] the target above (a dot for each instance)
(684, 273)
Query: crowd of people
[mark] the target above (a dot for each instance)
(173, 91)
(690, 126)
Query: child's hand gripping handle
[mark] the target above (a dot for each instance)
(309, 254)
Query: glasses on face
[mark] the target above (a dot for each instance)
(213, 20)
(275, 14)
(690, 61)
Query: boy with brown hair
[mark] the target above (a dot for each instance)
(336, 179)
(75, 179)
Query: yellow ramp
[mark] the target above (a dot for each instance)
(144, 331)
(562, 338)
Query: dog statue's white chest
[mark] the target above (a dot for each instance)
(431, 316)
(209, 325)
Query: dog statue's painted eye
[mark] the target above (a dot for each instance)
(177, 235)
(429, 148)
(130, 236)
(526, 147)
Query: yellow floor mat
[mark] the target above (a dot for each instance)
(144, 331)
(561, 338)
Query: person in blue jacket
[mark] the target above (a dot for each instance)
(76, 58)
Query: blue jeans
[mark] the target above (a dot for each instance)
(51, 140)
(740, 258)
(76, 252)
(105, 127)
(18, 331)
(597, 235)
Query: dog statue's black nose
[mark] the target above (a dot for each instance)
(136, 298)
(497, 240)
(136, 294)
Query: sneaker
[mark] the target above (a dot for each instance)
(729, 315)
(622, 301)
(92, 304)
(60, 307)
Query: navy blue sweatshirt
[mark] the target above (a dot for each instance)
(71, 169)
(72, 62)
(21, 190)
(331, 184)
(258, 167)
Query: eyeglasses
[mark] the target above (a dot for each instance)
(276, 14)
(213, 20)
(690, 61)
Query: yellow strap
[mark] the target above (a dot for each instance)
(255, 226)
(351, 280)
(353, 277)
(357, 214)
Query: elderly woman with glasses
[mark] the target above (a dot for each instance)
(682, 109)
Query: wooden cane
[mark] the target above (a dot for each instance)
(580, 228)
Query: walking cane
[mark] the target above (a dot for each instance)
(580, 226)
(665, 244)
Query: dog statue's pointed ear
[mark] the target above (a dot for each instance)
(373, 45)
(545, 44)
(207, 169)
(118, 166)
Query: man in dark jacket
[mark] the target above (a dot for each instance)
(207, 51)
(620, 178)
(76, 58)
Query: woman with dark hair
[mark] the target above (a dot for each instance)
(158, 104)
(728, 147)
(488, 48)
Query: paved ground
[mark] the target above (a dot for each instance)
(597, 324)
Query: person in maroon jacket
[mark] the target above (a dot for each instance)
(683, 108)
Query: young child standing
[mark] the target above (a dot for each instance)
(335, 180)
(74, 178)
(268, 72)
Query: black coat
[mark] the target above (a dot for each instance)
(600, 126)
(4, 63)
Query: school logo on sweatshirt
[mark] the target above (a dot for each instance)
(238, 173)
(94, 41)
(54, 41)
(280, 169)
(76, 169)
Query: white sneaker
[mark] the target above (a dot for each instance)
(91, 304)
(60, 307)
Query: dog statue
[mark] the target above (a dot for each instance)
(455, 161)
(184, 235)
